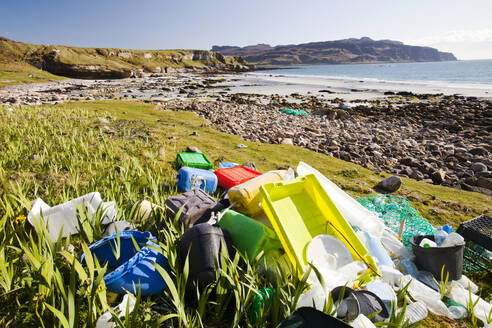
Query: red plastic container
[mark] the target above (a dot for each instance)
(233, 176)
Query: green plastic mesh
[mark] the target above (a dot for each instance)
(295, 112)
(393, 209)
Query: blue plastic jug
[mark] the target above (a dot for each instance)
(134, 266)
(189, 178)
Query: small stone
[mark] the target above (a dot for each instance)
(417, 175)
(479, 151)
(478, 167)
(438, 176)
(390, 184)
(484, 182)
(288, 141)
(193, 149)
(241, 146)
(103, 120)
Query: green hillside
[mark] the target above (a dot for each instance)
(103, 63)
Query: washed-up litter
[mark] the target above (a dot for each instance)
(355, 302)
(64, 217)
(145, 209)
(459, 311)
(128, 303)
(131, 258)
(433, 258)
(307, 317)
(189, 178)
(352, 211)
(261, 304)
(223, 165)
(300, 209)
(195, 160)
(482, 309)
(195, 205)
(116, 226)
(250, 237)
(394, 209)
(425, 294)
(415, 312)
(233, 176)
(368, 248)
(247, 194)
(294, 112)
(203, 246)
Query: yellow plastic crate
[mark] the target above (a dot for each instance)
(247, 194)
(300, 210)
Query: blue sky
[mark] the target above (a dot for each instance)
(463, 27)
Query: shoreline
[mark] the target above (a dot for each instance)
(346, 88)
(439, 139)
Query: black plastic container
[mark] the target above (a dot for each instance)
(205, 243)
(197, 206)
(432, 259)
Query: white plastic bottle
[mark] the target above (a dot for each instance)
(427, 243)
(453, 239)
(415, 312)
(458, 312)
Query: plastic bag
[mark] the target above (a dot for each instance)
(426, 295)
(350, 209)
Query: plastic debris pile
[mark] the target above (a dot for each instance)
(360, 253)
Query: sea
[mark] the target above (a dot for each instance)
(461, 73)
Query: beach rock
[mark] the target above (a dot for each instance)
(479, 151)
(390, 184)
(484, 182)
(288, 141)
(478, 167)
(193, 149)
(438, 176)
(241, 146)
(250, 165)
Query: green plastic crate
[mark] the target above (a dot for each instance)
(196, 160)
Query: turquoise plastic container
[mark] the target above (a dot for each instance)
(249, 236)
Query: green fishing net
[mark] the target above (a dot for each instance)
(393, 209)
(295, 112)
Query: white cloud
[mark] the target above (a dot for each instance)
(465, 44)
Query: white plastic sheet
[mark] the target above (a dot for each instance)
(65, 215)
(351, 210)
(104, 320)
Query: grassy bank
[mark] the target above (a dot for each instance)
(13, 73)
(61, 152)
(101, 63)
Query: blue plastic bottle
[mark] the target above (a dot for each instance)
(440, 236)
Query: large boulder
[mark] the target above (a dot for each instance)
(390, 184)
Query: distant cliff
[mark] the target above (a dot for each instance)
(108, 63)
(363, 50)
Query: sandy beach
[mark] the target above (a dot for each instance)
(347, 89)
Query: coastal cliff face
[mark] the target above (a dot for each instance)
(111, 63)
(364, 50)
